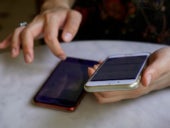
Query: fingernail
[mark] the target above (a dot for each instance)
(68, 36)
(148, 80)
(62, 57)
(28, 58)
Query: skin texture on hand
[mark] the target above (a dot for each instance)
(156, 76)
(47, 25)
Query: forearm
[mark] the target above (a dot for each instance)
(49, 4)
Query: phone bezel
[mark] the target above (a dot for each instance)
(62, 104)
(109, 85)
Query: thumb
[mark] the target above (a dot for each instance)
(157, 66)
(149, 75)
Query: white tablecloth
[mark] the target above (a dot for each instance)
(19, 82)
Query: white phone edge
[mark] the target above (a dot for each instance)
(130, 84)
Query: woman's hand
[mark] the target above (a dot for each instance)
(155, 76)
(46, 24)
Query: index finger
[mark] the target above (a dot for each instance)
(51, 29)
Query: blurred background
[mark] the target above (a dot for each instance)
(12, 12)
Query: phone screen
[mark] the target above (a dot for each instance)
(120, 68)
(64, 87)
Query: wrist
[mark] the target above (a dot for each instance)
(50, 4)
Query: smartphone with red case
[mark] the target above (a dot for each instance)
(64, 88)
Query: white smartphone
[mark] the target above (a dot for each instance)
(118, 72)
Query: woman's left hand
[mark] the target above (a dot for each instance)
(155, 76)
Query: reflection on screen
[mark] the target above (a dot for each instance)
(120, 68)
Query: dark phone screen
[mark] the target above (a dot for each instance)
(65, 85)
(120, 68)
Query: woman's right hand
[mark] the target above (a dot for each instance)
(47, 24)
(155, 76)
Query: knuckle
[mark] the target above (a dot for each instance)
(48, 38)
(25, 32)
(76, 13)
(75, 17)
(49, 15)
(73, 30)
(26, 49)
